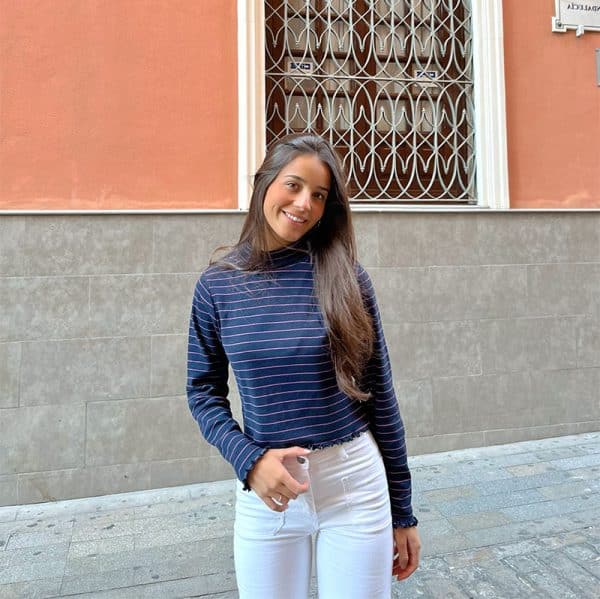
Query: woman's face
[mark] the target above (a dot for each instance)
(295, 201)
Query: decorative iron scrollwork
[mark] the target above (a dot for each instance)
(388, 82)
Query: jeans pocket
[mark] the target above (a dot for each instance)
(253, 518)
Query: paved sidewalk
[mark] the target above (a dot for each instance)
(518, 520)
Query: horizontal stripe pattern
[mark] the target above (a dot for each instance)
(269, 328)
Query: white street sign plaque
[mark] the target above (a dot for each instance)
(583, 15)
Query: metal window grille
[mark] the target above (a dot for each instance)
(388, 82)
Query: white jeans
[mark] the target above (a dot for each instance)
(346, 509)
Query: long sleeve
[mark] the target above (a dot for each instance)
(385, 420)
(207, 386)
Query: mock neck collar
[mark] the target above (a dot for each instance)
(289, 254)
(281, 257)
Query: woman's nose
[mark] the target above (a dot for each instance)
(303, 200)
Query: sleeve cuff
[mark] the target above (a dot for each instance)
(405, 522)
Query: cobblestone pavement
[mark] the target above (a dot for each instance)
(519, 520)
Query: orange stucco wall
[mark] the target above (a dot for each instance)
(553, 110)
(107, 104)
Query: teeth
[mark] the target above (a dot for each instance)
(294, 218)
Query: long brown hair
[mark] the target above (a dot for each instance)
(333, 247)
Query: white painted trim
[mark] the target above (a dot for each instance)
(490, 105)
(489, 97)
(251, 94)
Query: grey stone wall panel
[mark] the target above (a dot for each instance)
(416, 406)
(449, 240)
(401, 293)
(564, 396)
(88, 481)
(474, 292)
(134, 305)
(539, 238)
(491, 321)
(8, 490)
(445, 442)
(563, 289)
(502, 436)
(168, 371)
(409, 347)
(82, 370)
(10, 366)
(12, 231)
(426, 239)
(168, 473)
(588, 343)
(139, 430)
(181, 472)
(421, 350)
(77, 244)
(185, 244)
(588, 426)
(400, 240)
(34, 439)
(476, 403)
(367, 239)
(528, 343)
(44, 308)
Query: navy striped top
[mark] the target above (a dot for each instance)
(269, 327)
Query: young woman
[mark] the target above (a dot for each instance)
(321, 460)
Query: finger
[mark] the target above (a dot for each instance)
(272, 505)
(286, 493)
(413, 563)
(280, 489)
(281, 500)
(293, 488)
(403, 574)
(402, 556)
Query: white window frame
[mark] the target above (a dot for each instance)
(489, 100)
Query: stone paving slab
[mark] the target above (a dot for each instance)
(511, 521)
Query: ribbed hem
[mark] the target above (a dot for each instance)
(345, 439)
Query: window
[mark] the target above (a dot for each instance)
(393, 85)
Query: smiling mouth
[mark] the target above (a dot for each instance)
(295, 219)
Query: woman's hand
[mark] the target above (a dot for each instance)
(271, 481)
(407, 547)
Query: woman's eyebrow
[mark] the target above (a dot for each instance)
(304, 181)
